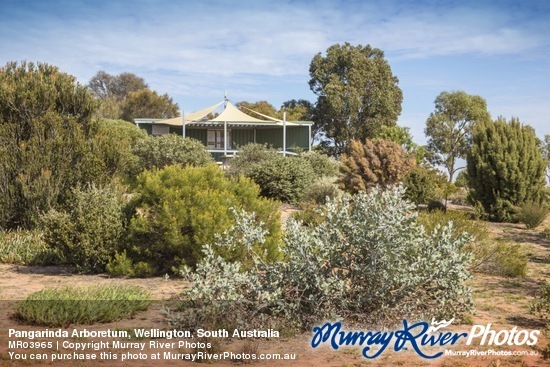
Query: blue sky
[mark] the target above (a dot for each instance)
(261, 50)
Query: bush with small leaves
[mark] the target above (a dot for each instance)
(283, 178)
(532, 214)
(164, 150)
(178, 210)
(89, 231)
(489, 256)
(424, 184)
(322, 164)
(370, 260)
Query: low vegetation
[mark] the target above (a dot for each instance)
(337, 257)
(25, 247)
(61, 307)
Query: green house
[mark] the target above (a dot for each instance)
(232, 128)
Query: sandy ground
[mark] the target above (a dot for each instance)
(500, 301)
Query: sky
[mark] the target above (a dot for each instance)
(261, 50)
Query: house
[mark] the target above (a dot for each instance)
(232, 128)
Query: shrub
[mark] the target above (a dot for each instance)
(381, 162)
(117, 139)
(322, 164)
(283, 178)
(491, 257)
(61, 307)
(545, 234)
(320, 190)
(424, 184)
(23, 247)
(249, 156)
(164, 150)
(89, 232)
(47, 141)
(178, 210)
(369, 260)
(505, 167)
(532, 214)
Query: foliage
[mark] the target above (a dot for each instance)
(116, 140)
(320, 190)
(89, 231)
(546, 154)
(283, 178)
(505, 167)
(357, 94)
(310, 213)
(178, 210)
(449, 127)
(370, 260)
(23, 247)
(532, 214)
(148, 103)
(491, 257)
(164, 150)
(462, 179)
(379, 162)
(61, 307)
(322, 164)
(104, 85)
(46, 141)
(546, 234)
(402, 136)
(435, 205)
(540, 307)
(249, 156)
(424, 184)
(297, 110)
(262, 107)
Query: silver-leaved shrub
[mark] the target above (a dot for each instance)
(369, 260)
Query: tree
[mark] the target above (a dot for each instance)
(546, 154)
(402, 136)
(379, 162)
(357, 94)
(262, 107)
(47, 141)
(505, 167)
(297, 110)
(105, 86)
(449, 127)
(147, 103)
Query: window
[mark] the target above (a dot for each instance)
(215, 139)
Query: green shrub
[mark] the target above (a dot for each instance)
(322, 164)
(248, 157)
(546, 234)
(164, 150)
(370, 260)
(283, 178)
(424, 184)
(61, 307)
(47, 143)
(532, 214)
(320, 190)
(89, 232)
(505, 167)
(116, 140)
(121, 265)
(23, 247)
(178, 210)
(310, 214)
(491, 257)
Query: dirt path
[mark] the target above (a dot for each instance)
(17, 282)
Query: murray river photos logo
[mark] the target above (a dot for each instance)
(418, 336)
